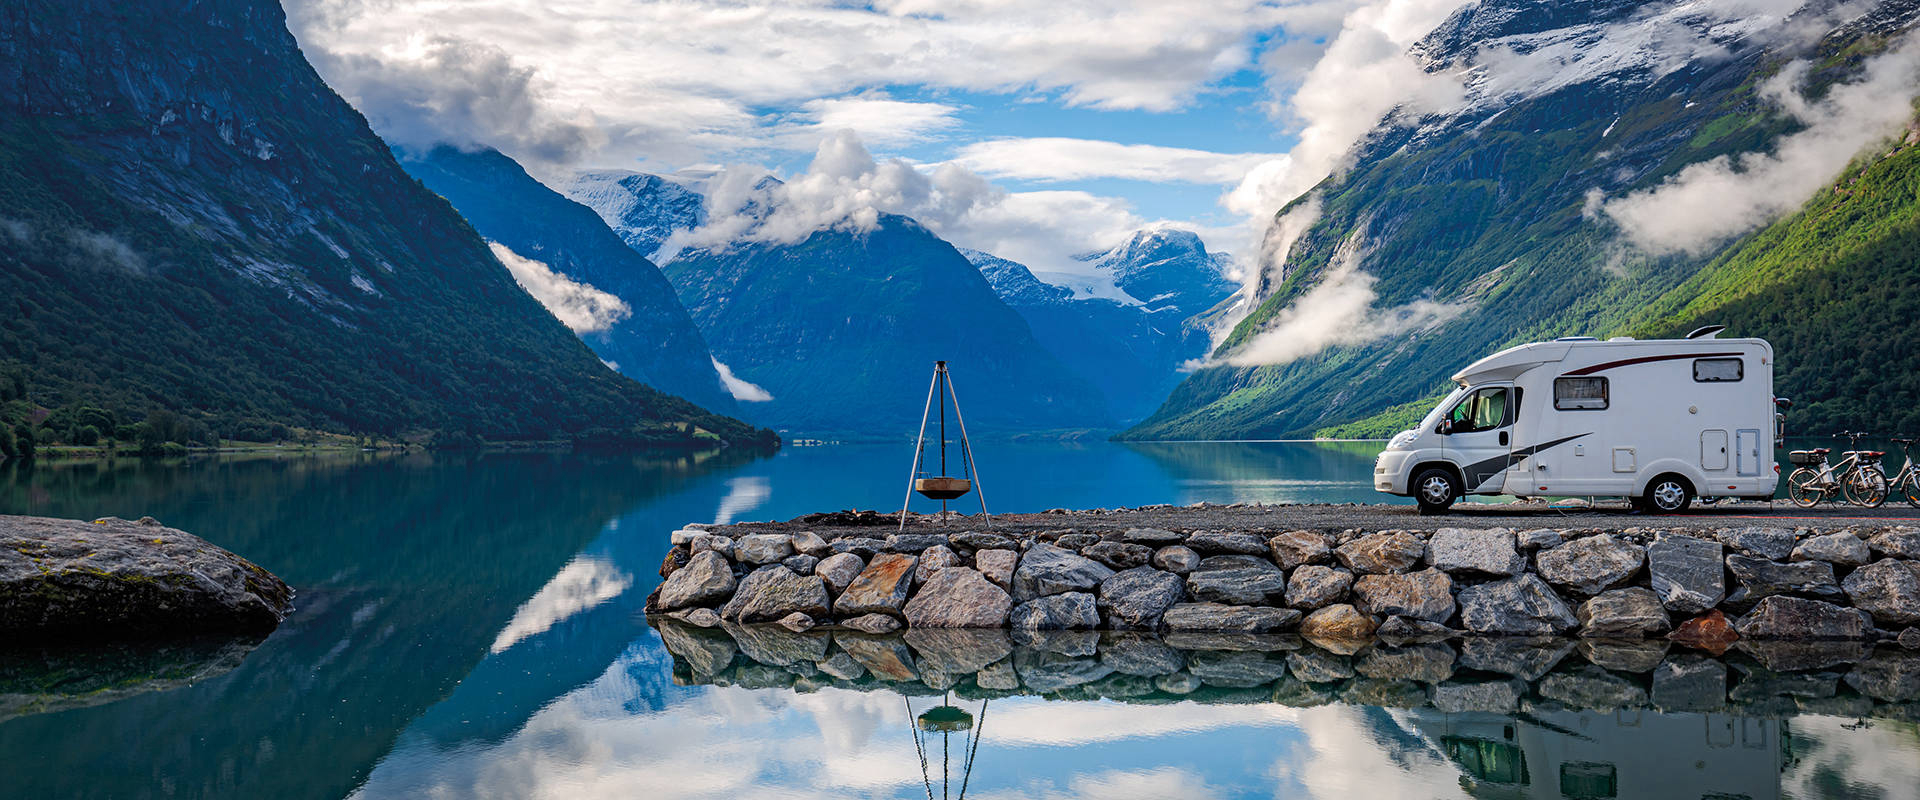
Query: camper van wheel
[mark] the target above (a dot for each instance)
(1435, 489)
(1668, 494)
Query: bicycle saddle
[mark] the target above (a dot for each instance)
(1902, 441)
(1822, 450)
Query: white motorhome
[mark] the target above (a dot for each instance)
(1659, 421)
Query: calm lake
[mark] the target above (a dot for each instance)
(469, 626)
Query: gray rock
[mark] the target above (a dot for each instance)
(1313, 586)
(1066, 643)
(1236, 579)
(1297, 548)
(1119, 555)
(1800, 656)
(1385, 693)
(957, 652)
(799, 623)
(998, 676)
(1520, 605)
(1048, 570)
(779, 645)
(1526, 658)
(1889, 676)
(1910, 638)
(1235, 670)
(885, 657)
(932, 560)
(1687, 573)
(1077, 540)
(1217, 543)
(1632, 612)
(1427, 594)
(997, 565)
(706, 580)
(1177, 559)
(1231, 640)
(842, 666)
(810, 543)
(1591, 688)
(1485, 697)
(1759, 577)
(1487, 552)
(881, 588)
(1066, 611)
(1801, 619)
(1426, 663)
(1382, 553)
(1844, 549)
(1337, 623)
(1043, 670)
(714, 542)
(1179, 683)
(802, 564)
(839, 570)
(1888, 589)
(979, 540)
(1403, 629)
(1690, 683)
(763, 548)
(1152, 537)
(772, 592)
(913, 542)
(1229, 618)
(874, 623)
(1624, 655)
(1897, 543)
(1319, 666)
(703, 617)
(958, 597)
(1772, 543)
(1590, 565)
(863, 547)
(1136, 598)
(1140, 654)
(706, 652)
(1541, 539)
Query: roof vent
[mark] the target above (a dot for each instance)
(1577, 339)
(1621, 339)
(1706, 331)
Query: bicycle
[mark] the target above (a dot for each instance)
(1907, 483)
(1857, 476)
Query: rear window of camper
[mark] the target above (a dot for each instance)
(1718, 370)
(1579, 394)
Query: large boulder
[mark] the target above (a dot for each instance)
(958, 597)
(1759, 577)
(1382, 552)
(1219, 543)
(1152, 537)
(61, 578)
(1427, 594)
(1229, 618)
(1798, 618)
(1065, 611)
(763, 548)
(1178, 559)
(981, 540)
(1315, 586)
(1488, 552)
(1590, 565)
(913, 542)
(1627, 613)
(881, 588)
(1297, 548)
(1687, 573)
(839, 571)
(1136, 598)
(1843, 549)
(1896, 543)
(1119, 555)
(1240, 580)
(1888, 589)
(1048, 570)
(772, 592)
(932, 560)
(706, 580)
(1339, 621)
(997, 564)
(1772, 543)
(1523, 604)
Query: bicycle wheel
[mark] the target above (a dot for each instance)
(1802, 488)
(1866, 486)
(1910, 487)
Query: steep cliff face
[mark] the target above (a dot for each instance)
(652, 340)
(195, 221)
(1467, 231)
(843, 328)
(643, 209)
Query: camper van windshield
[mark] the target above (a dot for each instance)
(1483, 410)
(1441, 408)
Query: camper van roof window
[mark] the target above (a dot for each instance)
(1718, 370)
(1580, 393)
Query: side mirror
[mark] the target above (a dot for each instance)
(1446, 427)
(1783, 403)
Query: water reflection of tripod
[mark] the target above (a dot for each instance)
(946, 720)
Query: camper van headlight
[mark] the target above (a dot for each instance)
(1401, 440)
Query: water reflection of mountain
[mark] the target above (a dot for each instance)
(1273, 471)
(407, 571)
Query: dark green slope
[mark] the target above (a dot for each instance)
(194, 221)
(1486, 212)
(657, 344)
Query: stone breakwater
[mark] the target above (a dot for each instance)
(1501, 675)
(1695, 585)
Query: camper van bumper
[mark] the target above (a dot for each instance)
(1390, 471)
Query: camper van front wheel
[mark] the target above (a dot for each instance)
(1668, 494)
(1435, 489)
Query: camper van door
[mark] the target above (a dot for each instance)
(1479, 436)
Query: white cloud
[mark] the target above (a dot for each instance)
(877, 117)
(1337, 311)
(583, 583)
(579, 306)
(741, 389)
(1063, 159)
(1713, 201)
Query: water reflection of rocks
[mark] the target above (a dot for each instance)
(1579, 718)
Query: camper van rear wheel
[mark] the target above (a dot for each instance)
(1668, 494)
(1435, 489)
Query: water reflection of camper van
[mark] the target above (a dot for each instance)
(1626, 754)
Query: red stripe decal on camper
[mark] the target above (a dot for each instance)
(1643, 360)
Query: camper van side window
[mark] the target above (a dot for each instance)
(1718, 370)
(1579, 394)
